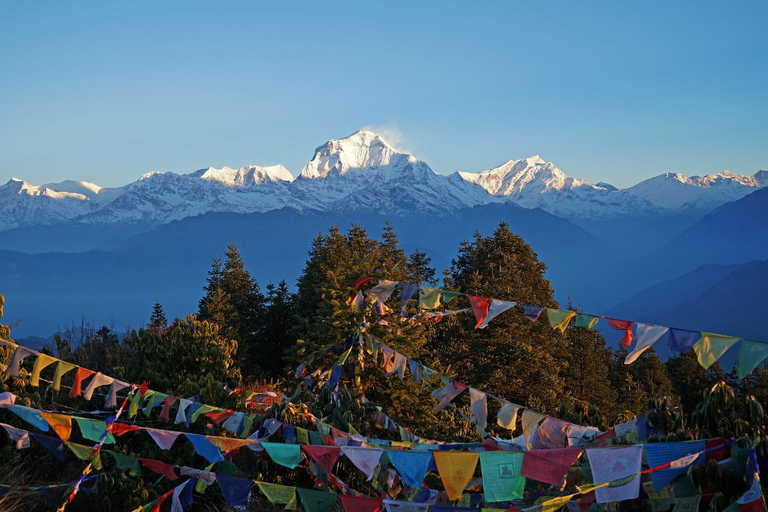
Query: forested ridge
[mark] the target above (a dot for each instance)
(270, 365)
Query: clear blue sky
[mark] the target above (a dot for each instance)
(612, 91)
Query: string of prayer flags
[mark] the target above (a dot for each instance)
(287, 455)
(479, 407)
(659, 454)
(365, 459)
(235, 490)
(279, 494)
(411, 466)
(507, 415)
(16, 434)
(480, 307)
(622, 325)
(324, 456)
(446, 394)
(647, 335)
(711, 347)
(681, 340)
(456, 470)
(549, 466)
(42, 361)
(359, 503)
(429, 298)
(405, 506)
(205, 448)
(751, 354)
(495, 308)
(610, 464)
(317, 501)
(586, 321)
(559, 319)
(502, 478)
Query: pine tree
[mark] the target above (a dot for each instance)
(277, 334)
(158, 323)
(513, 358)
(639, 383)
(212, 286)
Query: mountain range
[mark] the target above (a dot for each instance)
(74, 248)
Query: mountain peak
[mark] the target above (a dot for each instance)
(249, 175)
(364, 149)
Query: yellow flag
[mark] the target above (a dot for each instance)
(456, 470)
(41, 362)
(559, 319)
(227, 444)
(711, 347)
(60, 423)
(429, 298)
(61, 369)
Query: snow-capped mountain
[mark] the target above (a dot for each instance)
(698, 194)
(361, 172)
(534, 183)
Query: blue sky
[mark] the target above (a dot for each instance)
(608, 91)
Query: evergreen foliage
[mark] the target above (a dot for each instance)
(157, 321)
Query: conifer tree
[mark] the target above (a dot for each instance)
(513, 358)
(277, 333)
(158, 323)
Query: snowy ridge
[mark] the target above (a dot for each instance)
(362, 172)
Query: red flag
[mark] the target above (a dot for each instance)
(360, 282)
(160, 501)
(480, 307)
(328, 440)
(218, 417)
(622, 325)
(167, 407)
(121, 428)
(144, 388)
(549, 466)
(324, 456)
(161, 468)
(359, 503)
(80, 376)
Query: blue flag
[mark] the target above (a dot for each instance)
(235, 490)
(205, 448)
(411, 465)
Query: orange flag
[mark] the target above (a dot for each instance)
(456, 470)
(60, 423)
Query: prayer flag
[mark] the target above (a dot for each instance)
(182, 496)
(166, 410)
(381, 291)
(163, 438)
(502, 479)
(126, 462)
(324, 456)
(407, 292)
(411, 465)
(94, 430)
(317, 501)
(80, 376)
(532, 313)
(279, 494)
(681, 340)
(53, 445)
(398, 366)
(429, 298)
(359, 503)
(60, 423)
(18, 356)
(181, 412)
(235, 490)
(609, 464)
(530, 421)
(448, 393)
(496, 308)
(647, 335)
(479, 407)
(16, 434)
(751, 354)
(365, 459)
(659, 454)
(622, 325)
(405, 506)
(41, 362)
(559, 319)
(287, 455)
(586, 321)
(159, 467)
(205, 448)
(448, 296)
(711, 347)
(507, 415)
(31, 416)
(549, 466)
(98, 380)
(456, 470)
(116, 386)
(552, 433)
(480, 306)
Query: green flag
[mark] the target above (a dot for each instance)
(586, 321)
(559, 319)
(279, 494)
(317, 501)
(752, 353)
(502, 480)
(156, 398)
(126, 462)
(287, 455)
(429, 298)
(711, 347)
(92, 430)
